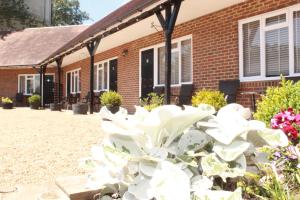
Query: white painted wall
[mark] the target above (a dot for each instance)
(40, 8)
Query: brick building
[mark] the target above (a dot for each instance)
(253, 41)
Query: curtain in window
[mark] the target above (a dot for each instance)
(22, 84)
(297, 41)
(161, 65)
(186, 61)
(95, 77)
(100, 77)
(277, 52)
(105, 86)
(251, 49)
(37, 84)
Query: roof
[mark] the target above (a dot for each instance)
(32, 46)
(125, 11)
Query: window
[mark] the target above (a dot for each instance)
(29, 84)
(181, 67)
(73, 81)
(101, 76)
(270, 45)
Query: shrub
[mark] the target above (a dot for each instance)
(152, 101)
(111, 99)
(6, 100)
(213, 98)
(286, 95)
(34, 99)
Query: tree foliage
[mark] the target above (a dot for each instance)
(68, 12)
(14, 15)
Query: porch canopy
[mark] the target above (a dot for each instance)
(134, 20)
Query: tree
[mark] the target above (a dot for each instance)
(14, 15)
(68, 12)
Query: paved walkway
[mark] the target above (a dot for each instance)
(37, 146)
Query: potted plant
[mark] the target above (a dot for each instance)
(112, 100)
(80, 108)
(7, 103)
(55, 106)
(34, 101)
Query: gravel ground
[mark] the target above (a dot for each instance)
(37, 146)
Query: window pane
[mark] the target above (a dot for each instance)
(186, 61)
(277, 52)
(161, 65)
(100, 78)
(105, 76)
(29, 81)
(37, 84)
(22, 84)
(76, 82)
(175, 68)
(251, 49)
(72, 82)
(276, 20)
(79, 81)
(297, 41)
(95, 77)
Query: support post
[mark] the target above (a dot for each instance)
(92, 48)
(168, 23)
(42, 84)
(59, 64)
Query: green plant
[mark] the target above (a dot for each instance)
(213, 98)
(282, 97)
(34, 99)
(6, 100)
(152, 101)
(111, 99)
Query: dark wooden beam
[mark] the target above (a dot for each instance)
(92, 48)
(59, 64)
(107, 32)
(168, 23)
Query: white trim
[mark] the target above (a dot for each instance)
(108, 72)
(78, 84)
(26, 78)
(155, 62)
(263, 29)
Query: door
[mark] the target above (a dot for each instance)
(49, 89)
(113, 75)
(147, 66)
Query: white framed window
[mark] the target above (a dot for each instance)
(101, 75)
(73, 80)
(181, 68)
(269, 45)
(28, 84)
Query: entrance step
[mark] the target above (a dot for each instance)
(75, 187)
(35, 192)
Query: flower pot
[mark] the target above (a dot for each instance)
(7, 105)
(55, 107)
(35, 106)
(80, 109)
(113, 109)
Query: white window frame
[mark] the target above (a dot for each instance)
(155, 71)
(78, 70)
(97, 65)
(26, 78)
(263, 29)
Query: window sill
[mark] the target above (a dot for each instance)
(255, 79)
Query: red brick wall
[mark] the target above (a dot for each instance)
(9, 80)
(215, 52)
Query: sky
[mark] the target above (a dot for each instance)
(98, 9)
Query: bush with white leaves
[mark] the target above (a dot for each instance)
(170, 153)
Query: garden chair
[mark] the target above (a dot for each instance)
(229, 88)
(185, 95)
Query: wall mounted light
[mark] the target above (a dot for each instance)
(125, 52)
